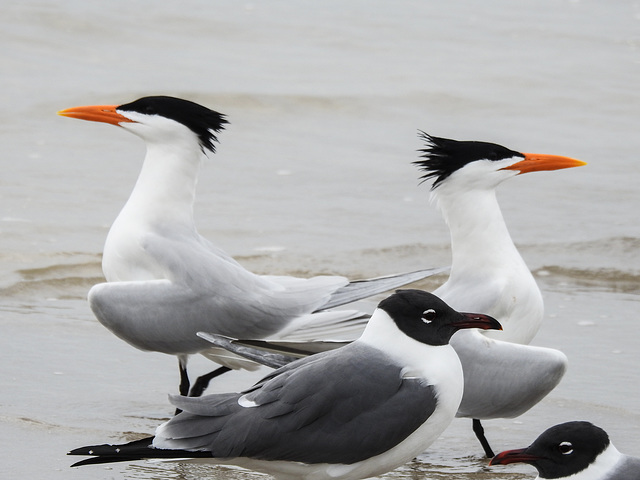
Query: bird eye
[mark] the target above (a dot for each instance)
(565, 448)
(429, 315)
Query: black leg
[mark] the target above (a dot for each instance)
(184, 380)
(479, 431)
(202, 382)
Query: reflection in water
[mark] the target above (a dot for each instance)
(464, 468)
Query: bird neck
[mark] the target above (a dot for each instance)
(487, 272)
(165, 189)
(606, 462)
(478, 231)
(438, 363)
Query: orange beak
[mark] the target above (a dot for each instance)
(537, 162)
(96, 113)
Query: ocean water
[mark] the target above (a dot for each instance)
(313, 176)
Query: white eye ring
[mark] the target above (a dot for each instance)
(428, 313)
(566, 448)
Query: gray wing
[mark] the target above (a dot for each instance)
(627, 469)
(204, 290)
(502, 379)
(360, 289)
(332, 407)
(263, 357)
(204, 266)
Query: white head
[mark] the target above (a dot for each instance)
(168, 121)
(460, 166)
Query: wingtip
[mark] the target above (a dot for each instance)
(214, 337)
(86, 461)
(88, 450)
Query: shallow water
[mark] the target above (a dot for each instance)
(313, 176)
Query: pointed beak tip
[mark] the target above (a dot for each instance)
(483, 322)
(514, 456)
(534, 162)
(96, 113)
(498, 459)
(491, 323)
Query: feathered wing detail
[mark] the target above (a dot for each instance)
(169, 312)
(136, 450)
(314, 425)
(342, 422)
(211, 270)
(627, 469)
(502, 365)
(250, 352)
(360, 289)
(511, 393)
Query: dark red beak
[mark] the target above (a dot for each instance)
(477, 320)
(513, 456)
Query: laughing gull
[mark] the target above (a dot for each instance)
(503, 378)
(165, 282)
(576, 451)
(349, 413)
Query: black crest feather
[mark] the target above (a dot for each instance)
(205, 123)
(441, 156)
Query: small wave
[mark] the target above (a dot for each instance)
(356, 264)
(62, 281)
(603, 279)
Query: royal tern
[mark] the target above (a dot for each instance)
(502, 380)
(349, 413)
(486, 268)
(576, 451)
(165, 282)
